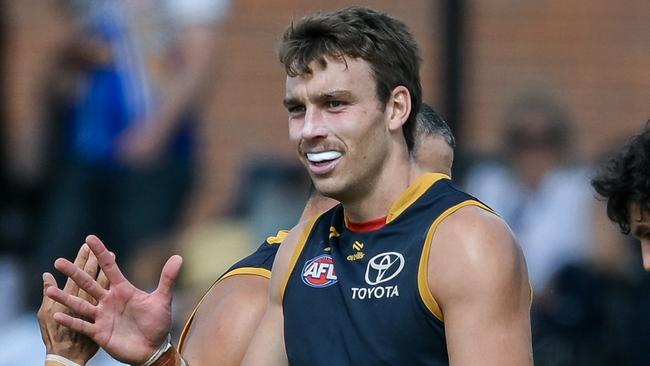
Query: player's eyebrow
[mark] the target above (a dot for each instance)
(291, 102)
(319, 98)
(334, 94)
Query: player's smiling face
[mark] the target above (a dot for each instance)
(338, 126)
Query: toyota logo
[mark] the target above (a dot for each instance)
(384, 267)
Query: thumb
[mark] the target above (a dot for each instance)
(48, 281)
(169, 274)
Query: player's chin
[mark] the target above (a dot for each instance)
(328, 186)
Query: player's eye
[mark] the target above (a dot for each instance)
(335, 104)
(296, 110)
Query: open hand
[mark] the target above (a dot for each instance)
(128, 323)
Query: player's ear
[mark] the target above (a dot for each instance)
(398, 107)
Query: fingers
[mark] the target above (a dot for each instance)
(101, 278)
(74, 303)
(79, 261)
(76, 324)
(91, 268)
(46, 303)
(48, 281)
(81, 278)
(169, 274)
(106, 260)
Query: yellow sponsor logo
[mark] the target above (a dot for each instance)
(356, 256)
(357, 246)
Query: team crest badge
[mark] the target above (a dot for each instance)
(319, 272)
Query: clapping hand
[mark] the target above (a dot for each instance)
(128, 323)
(58, 339)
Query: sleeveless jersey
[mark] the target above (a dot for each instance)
(362, 298)
(259, 263)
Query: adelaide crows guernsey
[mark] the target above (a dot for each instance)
(362, 298)
(259, 263)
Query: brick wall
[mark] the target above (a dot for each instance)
(592, 54)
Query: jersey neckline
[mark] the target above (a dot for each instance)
(366, 226)
(404, 201)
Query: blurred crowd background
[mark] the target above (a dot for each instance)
(158, 125)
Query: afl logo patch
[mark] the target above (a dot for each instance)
(319, 272)
(384, 267)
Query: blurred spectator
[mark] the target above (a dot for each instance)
(544, 199)
(624, 183)
(594, 312)
(21, 150)
(128, 87)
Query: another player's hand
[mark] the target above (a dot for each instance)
(128, 323)
(58, 339)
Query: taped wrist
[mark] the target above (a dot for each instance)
(60, 360)
(166, 355)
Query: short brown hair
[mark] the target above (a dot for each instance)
(381, 40)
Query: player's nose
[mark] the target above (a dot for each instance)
(314, 126)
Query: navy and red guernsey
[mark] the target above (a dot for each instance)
(359, 295)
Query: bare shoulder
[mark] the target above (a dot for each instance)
(230, 300)
(240, 289)
(477, 274)
(474, 251)
(228, 315)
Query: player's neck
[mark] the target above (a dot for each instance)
(386, 187)
(415, 171)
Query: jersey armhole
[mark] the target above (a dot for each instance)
(252, 271)
(296, 254)
(423, 279)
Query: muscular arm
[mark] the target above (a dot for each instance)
(478, 275)
(267, 347)
(225, 322)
